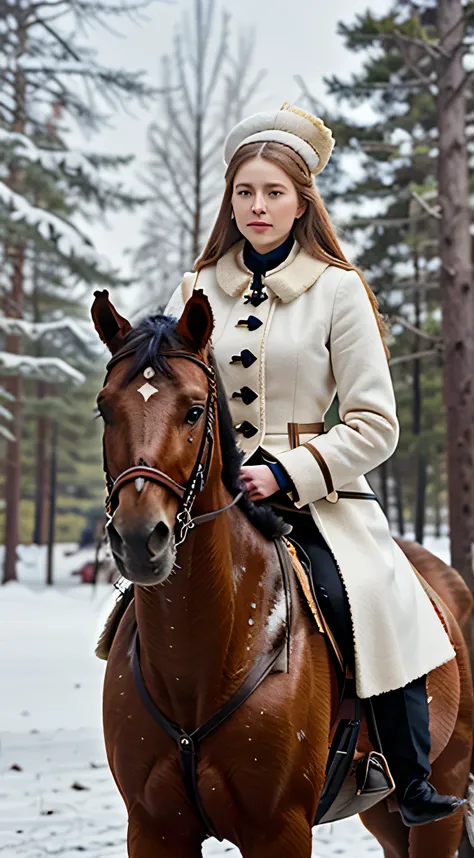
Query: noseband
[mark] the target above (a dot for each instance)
(187, 493)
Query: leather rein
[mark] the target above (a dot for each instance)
(185, 493)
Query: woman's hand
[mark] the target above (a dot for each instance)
(258, 481)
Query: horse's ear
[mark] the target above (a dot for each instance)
(196, 322)
(109, 324)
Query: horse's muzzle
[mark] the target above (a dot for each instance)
(144, 554)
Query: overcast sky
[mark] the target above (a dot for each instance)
(292, 37)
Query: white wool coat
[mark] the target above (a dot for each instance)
(316, 335)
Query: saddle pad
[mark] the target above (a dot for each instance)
(321, 624)
(302, 577)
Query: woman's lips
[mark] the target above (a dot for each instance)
(260, 227)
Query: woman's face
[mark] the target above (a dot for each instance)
(264, 194)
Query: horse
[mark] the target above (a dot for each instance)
(208, 633)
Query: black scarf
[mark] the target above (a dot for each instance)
(260, 263)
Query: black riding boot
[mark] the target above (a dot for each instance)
(402, 716)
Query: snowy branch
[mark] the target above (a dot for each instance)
(5, 414)
(49, 369)
(71, 162)
(36, 330)
(70, 242)
(5, 394)
(5, 433)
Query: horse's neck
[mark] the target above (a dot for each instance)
(201, 630)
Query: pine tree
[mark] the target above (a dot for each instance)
(399, 235)
(49, 80)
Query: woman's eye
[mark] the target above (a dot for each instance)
(194, 414)
(241, 193)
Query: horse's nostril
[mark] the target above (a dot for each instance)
(114, 538)
(159, 538)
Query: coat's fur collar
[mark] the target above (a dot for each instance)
(293, 277)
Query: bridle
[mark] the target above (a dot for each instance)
(187, 493)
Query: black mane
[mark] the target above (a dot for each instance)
(158, 333)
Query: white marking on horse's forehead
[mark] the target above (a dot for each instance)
(147, 390)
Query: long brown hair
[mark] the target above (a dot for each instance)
(313, 230)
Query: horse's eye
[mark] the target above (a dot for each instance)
(104, 411)
(194, 414)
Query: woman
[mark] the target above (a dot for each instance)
(295, 324)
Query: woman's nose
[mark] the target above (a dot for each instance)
(259, 205)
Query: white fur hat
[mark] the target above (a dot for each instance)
(305, 134)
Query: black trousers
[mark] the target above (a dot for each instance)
(402, 716)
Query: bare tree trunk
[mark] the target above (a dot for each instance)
(456, 283)
(14, 308)
(420, 460)
(12, 474)
(52, 502)
(420, 468)
(12, 460)
(41, 420)
(383, 471)
(457, 298)
(420, 500)
(437, 497)
(398, 489)
(41, 473)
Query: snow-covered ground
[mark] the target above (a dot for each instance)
(57, 797)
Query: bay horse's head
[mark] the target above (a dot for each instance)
(157, 404)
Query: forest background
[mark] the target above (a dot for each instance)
(382, 189)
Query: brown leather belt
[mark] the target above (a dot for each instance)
(297, 429)
(369, 496)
